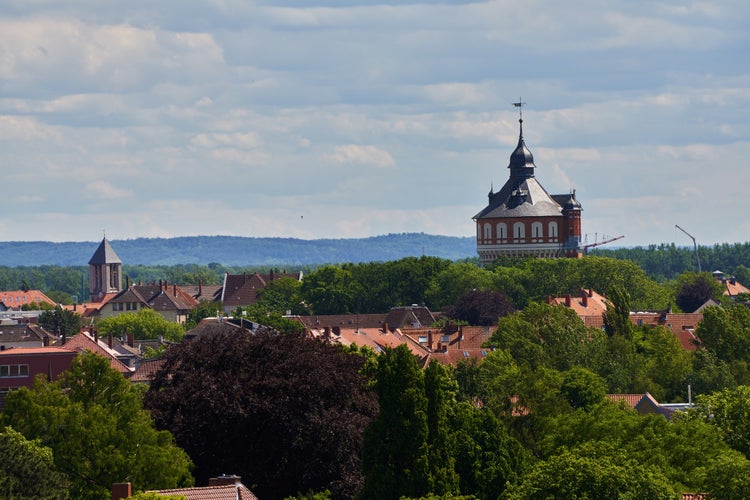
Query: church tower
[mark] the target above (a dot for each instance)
(105, 272)
(523, 220)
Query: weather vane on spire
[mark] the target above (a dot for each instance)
(519, 105)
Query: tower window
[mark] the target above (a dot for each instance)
(536, 230)
(519, 231)
(553, 229)
(502, 230)
(487, 231)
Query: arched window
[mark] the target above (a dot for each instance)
(487, 231)
(518, 230)
(536, 229)
(502, 230)
(553, 229)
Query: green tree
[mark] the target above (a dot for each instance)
(729, 411)
(579, 475)
(583, 388)
(93, 421)
(282, 295)
(330, 290)
(203, 310)
(145, 324)
(617, 316)
(440, 390)
(27, 469)
(455, 280)
(395, 456)
(62, 321)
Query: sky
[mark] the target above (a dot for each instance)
(332, 119)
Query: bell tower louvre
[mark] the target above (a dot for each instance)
(523, 220)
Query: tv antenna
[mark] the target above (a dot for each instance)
(695, 246)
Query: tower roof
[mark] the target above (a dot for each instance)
(521, 160)
(105, 254)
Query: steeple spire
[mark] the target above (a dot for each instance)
(521, 160)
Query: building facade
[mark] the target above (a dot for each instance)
(523, 220)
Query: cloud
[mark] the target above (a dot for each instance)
(106, 191)
(365, 155)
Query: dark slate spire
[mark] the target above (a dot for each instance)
(105, 254)
(521, 160)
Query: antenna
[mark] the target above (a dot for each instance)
(695, 246)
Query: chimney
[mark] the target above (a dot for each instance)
(127, 281)
(200, 288)
(429, 339)
(174, 290)
(96, 335)
(45, 340)
(110, 340)
(225, 480)
(139, 282)
(160, 284)
(327, 332)
(131, 339)
(385, 327)
(121, 491)
(75, 307)
(567, 300)
(584, 298)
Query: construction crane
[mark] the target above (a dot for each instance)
(695, 246)
(600, 243)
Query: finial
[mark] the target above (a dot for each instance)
(519, 105)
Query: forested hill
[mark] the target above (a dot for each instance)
(241, 251)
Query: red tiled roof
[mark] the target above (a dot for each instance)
(242, 289)
(223, 492)
(344, 320)
(34, 350)
(630, 399)
(146, 370)
(82, 342)
(17, 298)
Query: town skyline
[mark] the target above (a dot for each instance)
(318, 120)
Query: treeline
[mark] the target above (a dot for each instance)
(375, 287)
(665, 262)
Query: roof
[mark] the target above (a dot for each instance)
(104, 254)
(242, 289)
(409, 317)
(348, 320)
(15, 351)
(23, 333)
(82, 342)
(522, 195)
(222, 492)
(158, 296)
(146, 370)
(16, 298)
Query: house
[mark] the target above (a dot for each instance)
(14, 300)
(646, 404)
(85, 341)
(732, 288)
(19, 366)
(219, 488)
(241, 290)
(170, 301)
(24, 335)
(523, 220)
(590, 306)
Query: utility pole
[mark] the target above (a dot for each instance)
(695, 246)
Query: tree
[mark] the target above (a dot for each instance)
(205, 309)
(27, 469)
(729, 411)
(480, 307)
(583, 388)
(458, 278)
(578, 475)
(695, 289)
(282, 295)
(283, 411)
(61, 321)
(330, 290)
(617, 316)
(395, 459)
(145, 324)
(93, 421)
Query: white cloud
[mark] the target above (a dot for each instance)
(366, 155)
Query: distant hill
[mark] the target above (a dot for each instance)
(240, 251)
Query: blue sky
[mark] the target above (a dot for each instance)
(351, 119)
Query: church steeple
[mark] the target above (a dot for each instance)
(105, 272)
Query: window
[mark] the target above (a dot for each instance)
(553, 229)
(487, 231)
(536, 230)
(518, 230)
(8, 371)
(502, 230)
(445, 338)
(422, 339)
